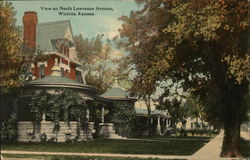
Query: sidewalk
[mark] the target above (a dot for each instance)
(211, 150)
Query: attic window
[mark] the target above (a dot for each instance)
(61, 46)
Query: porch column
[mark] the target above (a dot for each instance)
(169, 122)
(103, 114)
(166, 123)
(87, 114)
(158, 127)
(15, 105)
(43, 117)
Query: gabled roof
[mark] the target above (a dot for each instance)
(50, 31)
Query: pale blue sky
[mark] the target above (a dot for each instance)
(104, 22)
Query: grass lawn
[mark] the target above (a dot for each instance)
(245, 148)
(50, 157)
(173, 147)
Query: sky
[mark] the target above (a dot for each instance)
(103, 22)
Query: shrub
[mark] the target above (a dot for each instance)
(9, 128)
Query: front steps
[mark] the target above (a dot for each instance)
(108, 132)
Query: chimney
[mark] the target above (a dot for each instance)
(29, 28)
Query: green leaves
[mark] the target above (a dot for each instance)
(9, 128)
(98, 60)
(123, 116)
(63, 105)
(239, 67)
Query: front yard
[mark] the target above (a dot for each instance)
(52, 157)
(171, 147)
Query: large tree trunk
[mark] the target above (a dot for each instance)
(231, 138)
(234, 112)
(147, 102)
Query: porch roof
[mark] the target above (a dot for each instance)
(117, 93)
(144, 112)
(58, 81)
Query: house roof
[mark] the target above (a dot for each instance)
(54, 79)
(50, 31)
(58, 82)
(117, 93)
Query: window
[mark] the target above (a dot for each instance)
(62, 72)
(42, 70)
(79, 76)
(66, 73)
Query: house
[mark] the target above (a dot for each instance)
(160, 119)
(56, 68)
(54, 39)
(195, 124)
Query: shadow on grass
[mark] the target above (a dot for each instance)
(245, 148)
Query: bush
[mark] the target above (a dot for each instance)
(9, 128)
(123, 116)
(200, 132)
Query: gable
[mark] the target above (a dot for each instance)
(50, 31)
(68, 34)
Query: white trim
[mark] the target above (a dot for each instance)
(40, 63)
(64, 66)
(78, 69)
(65, 57)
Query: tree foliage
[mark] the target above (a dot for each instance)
(175, 109)
(202, 45)
(11, 58)
(99, 61)
(123, 116)
(9, 128)
(194, 107)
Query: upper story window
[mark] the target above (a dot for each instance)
(79, 76)
(41, 70)
(62, 71)
(66, 74)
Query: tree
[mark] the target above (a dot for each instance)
(97, 61)
(200, 44)
(123, 115)
(194, 107)
(175, 109)
(11, 58)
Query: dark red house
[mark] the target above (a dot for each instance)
(54, 39)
